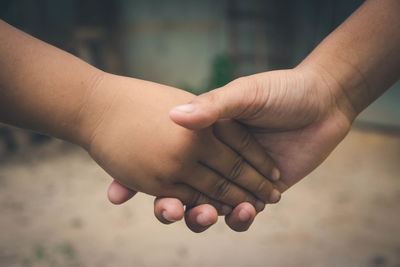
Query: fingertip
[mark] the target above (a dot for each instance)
(275, 196)
(244, 215)
(241, 217)
(248, 208)
(207, 217)
(200, 218)
(118, 194)
(275, 174)
(199, 118)
(171, 215)
(168, 210)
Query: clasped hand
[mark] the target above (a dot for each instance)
(297, 116)
(132, 138)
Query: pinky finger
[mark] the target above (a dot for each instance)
(168, 210)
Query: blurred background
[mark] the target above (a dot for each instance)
(53, 205)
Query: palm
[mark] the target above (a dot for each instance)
(291, 120)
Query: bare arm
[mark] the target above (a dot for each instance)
(361, 58)
(311, 107)
(41, 87)
(123, 123)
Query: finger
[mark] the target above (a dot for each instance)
(235, 168)
(200, 218)
(237, 137)
(168, 210)
(241, 217)
(218, 188)
(192, 198)
(118, 194)
(235, 100)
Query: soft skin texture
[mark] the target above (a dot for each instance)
(123, 123)
(134, 140)
(300, 115)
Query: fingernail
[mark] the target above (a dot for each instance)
(202, 220)
(259, 206)
(225, 210)
(275, 196)
(244, 215)
(275, 174)
(166, 216)
(188, 108)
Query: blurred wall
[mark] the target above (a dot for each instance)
(194, 45)
(173, 42)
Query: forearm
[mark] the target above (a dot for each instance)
(361, 58)
(42, 88)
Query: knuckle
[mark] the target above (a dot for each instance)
(222, 189)
(237, 168)
(211, 97)
(245, 83)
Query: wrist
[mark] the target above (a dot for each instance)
(91, 109)
(346, 85)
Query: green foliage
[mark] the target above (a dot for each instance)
(222, 71)
(39, 251)
(67, 250)
(52, 255)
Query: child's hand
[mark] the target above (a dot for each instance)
(128, 132)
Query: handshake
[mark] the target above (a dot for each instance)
(236, 148)
(226, 152)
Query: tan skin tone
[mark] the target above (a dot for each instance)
(300, 115)
(123, 123)
(135, 140)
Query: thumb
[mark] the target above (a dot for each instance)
(229, 101)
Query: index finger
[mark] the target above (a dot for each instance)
(237, 137)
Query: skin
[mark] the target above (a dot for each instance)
(134, 140)
(300, 115)
(123, 123)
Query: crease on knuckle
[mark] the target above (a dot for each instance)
(251, 91)
(222, 189)
(237, 168)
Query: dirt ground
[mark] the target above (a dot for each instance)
(54, 212)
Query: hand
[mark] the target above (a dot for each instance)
(297, 115)
(198, 218)
(133, 139)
